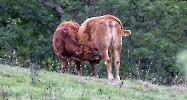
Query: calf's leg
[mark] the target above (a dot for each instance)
(94, 68)
(78, 67)
(65, 65)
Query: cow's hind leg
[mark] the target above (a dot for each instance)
(117, 63)
(78, 67)
(109, 68)
(108, 63)
(102, 41)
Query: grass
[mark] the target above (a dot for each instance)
(16, 84)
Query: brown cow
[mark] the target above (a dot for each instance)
(105, 34)
(67, 48)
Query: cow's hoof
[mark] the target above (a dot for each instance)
(96, 76)
(117, 78)
(111, 77)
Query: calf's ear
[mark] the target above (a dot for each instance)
(126, 33)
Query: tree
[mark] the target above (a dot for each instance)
(159, 32)
(28, 29)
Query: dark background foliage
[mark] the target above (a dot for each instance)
(159, 32)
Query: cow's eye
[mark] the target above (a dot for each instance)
(77, 52)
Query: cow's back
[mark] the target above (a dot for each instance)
(95, 32)
(84, 35)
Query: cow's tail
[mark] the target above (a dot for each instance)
(111, 26)
(116, 19)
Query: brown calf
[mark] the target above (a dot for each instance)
(67, 48)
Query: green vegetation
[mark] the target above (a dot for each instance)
(159, 33)
(16, 84)
(182, 61)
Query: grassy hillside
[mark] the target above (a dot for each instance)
(19, 84)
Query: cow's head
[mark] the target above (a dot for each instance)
(126, 33)
(86, 53)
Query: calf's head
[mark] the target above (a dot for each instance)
(86, 53)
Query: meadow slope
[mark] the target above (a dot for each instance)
(19, 84)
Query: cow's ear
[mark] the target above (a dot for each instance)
(77, 52)
(126, 33)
